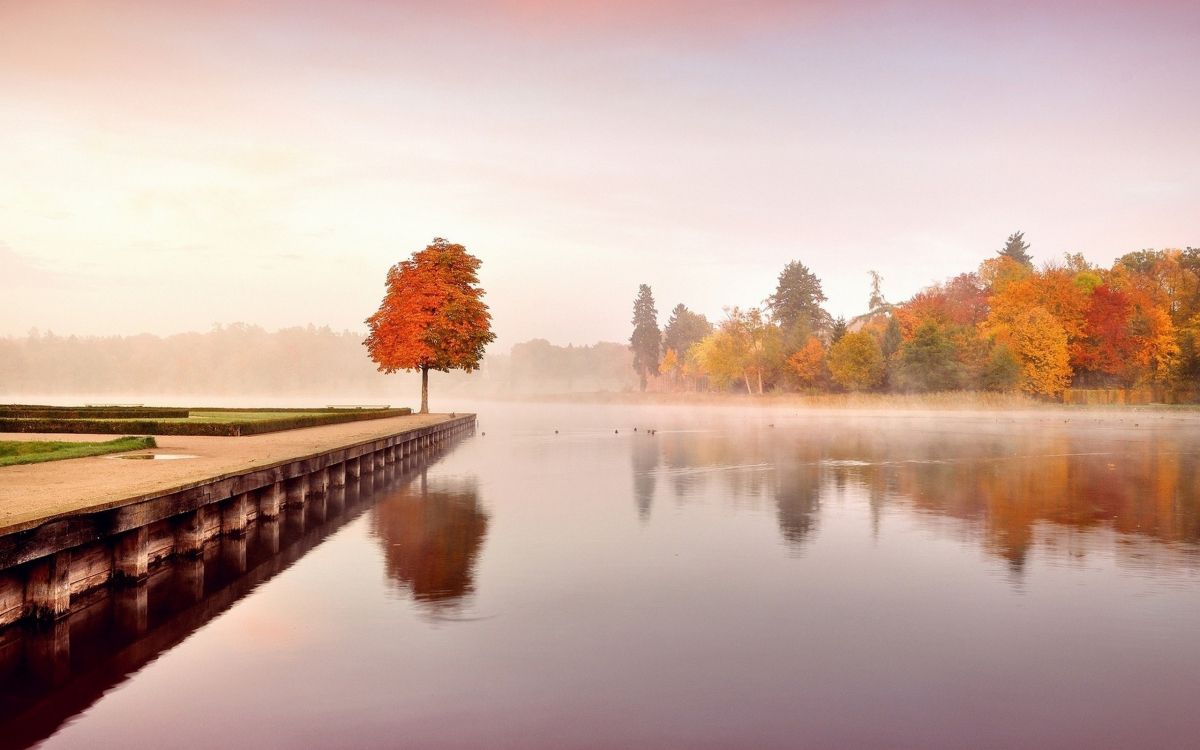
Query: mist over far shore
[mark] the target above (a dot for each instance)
(242, 365)
(241, 361)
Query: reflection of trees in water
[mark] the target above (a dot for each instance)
(797, 501)
(750, 468)
(1017, 486)
(646, 457)
(1009, 483)
(431, 535)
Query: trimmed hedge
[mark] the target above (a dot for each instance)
(16, 411)
(221, 429)
(301, 409)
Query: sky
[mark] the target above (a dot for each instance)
(166, 167)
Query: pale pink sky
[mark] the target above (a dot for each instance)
(167, 166)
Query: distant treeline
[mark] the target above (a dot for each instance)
(1008, 326)
(538, 366)
(233, 359)
(246, 360)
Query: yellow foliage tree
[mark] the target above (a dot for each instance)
(670, 366)
(721, 357)
(1040, 344)
(856, 361)
(692, 368)
(746, 346)
(1158, 353)
(997, 273)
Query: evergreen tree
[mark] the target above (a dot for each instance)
(684, 328)
(892, 337)
(837, 331)
(798, 298)
(646, 341)
(928, 361)
(1002, 371)
(1017, 249)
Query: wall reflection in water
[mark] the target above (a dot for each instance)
(50, 673)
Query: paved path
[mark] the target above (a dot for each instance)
(33, 491)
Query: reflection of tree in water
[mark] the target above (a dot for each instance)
(431, 536)
(797, 501)
(646, 457)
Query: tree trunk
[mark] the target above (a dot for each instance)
(643, 382)
(760, 381)
(746, 377)
(424, 389)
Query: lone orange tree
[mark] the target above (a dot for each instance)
(432, 316)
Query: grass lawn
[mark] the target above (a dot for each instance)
(13, 452)
(231, 417)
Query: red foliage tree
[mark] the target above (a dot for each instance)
(432, 316)
(1107, 346)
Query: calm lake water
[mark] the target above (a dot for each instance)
(738, 579)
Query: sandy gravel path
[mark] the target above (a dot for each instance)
(36, 490)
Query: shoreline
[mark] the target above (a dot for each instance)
(949, 402)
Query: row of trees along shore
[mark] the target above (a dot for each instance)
(1007, 326)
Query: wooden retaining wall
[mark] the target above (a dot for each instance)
(47, 568)
(1129, 396)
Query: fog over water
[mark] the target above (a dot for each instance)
(716, 577)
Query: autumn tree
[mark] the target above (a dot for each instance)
(808, 363)
(746, 346)
(1187, 369)
(720, 357)
(1040, 345)
(1017, 249)
(691, 367)
(1056, 291)
(432, 316)
(670, 366)
(761, 341)
(646, 341)
(1157, 285)
(684, 328)
(998, 272)
(856, 361)
(1107, 346)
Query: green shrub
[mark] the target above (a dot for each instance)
(928, 361)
